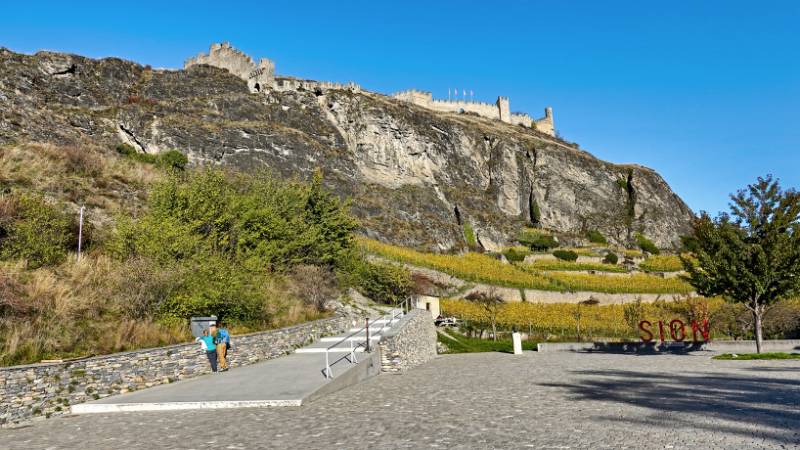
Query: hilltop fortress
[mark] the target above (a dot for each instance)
(500, 110)
(261, 76)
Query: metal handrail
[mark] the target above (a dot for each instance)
(405, 306)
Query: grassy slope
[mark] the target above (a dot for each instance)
(80, 308)
(463, 344)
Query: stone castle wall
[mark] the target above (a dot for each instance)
(38, 391)
(409, 343)
(294, 84)
(261, 76)
(258, 76)
(496, 111)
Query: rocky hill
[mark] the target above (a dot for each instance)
(416, 177)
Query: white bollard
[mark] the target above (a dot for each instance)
(517, 338)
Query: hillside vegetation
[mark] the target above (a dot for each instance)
(488, 269)
(162, 244)
(587, 321)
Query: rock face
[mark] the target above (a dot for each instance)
(416, 176)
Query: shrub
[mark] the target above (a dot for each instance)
(173, 159)
(83, 162)
(314, 285)
(596, 237)
(537, 241)
(255, 220)
(225, 233)
(566, 255)
(610, 258)
(516, 254)
(646, 244)
(36, 231)
(469, 235)
(382, 282)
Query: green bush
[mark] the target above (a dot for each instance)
(34, 230)
(469, 235)
(382, 282)
(171, 159)
(537, 241)
(515, 254)
(229, 232)
(566, 255)
(596, 237)
(646, 244)
(610, 258)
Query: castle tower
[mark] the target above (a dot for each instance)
(226, 57)
(546, 123)
(504, 109)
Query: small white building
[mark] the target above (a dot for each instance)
(428, 303)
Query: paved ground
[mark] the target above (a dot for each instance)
(555, 400)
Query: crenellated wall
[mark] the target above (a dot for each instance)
(293, 84)
(500, 110)
(258, 76)
(261, 76)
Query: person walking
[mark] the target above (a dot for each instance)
(222, 339)
(207, 344)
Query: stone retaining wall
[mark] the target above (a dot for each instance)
(40, 390)
(409, 343)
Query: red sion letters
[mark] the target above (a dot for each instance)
(677, 330)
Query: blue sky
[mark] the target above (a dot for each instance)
(705, 92)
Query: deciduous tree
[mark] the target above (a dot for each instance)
(751, 255)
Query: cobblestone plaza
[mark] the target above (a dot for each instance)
(491, 400)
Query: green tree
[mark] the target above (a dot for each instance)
(36, 231)
(752, 255)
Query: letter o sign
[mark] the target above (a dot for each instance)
(675, 326)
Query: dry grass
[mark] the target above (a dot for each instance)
(88, 175)
(81, 308)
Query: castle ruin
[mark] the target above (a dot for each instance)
(500, 110)
(261, 76)
(234, 61)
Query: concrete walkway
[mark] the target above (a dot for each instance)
(285, 381)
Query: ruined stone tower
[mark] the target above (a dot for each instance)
(504, 109)
(258, 77)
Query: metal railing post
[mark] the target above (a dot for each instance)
(327, 365)
(367, 328)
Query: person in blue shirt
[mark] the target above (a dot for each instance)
(222, 339)
(207, 344)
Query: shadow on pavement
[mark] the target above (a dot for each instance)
(768, 408)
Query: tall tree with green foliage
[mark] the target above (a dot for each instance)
(750, 256)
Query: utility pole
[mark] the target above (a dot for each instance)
(80, 232)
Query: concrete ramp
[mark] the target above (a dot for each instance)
(286, 381)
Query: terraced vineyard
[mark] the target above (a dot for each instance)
(474, 267)
(558, 265)
(634, 284)
(564, 318)
(482, 268)
(662, 263)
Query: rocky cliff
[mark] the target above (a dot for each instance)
(416, 176)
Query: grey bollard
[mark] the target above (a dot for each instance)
(517, 338)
